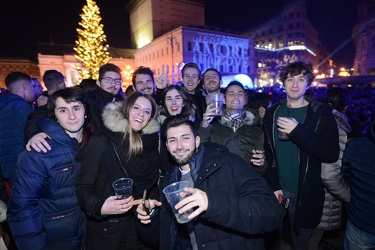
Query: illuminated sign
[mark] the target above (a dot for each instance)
(229, 54)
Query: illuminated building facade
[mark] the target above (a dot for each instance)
(229, 53)
(364, 39)
(50, 58)
(285, 39)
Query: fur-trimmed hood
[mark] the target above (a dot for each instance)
(116, 122)
(249, 120)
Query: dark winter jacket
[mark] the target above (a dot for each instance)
(241, 206)
(317, 140)
(242, 142)
(336, 188)
(97, 100)
(43, 211)
(14, 111)
(100, 166)
(358, 167)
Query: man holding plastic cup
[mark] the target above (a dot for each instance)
(235, 129)
(232, 204)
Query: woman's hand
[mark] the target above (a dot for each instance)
(114, 206)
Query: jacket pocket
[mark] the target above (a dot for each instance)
(63, 226)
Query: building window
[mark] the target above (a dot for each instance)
(298, 14)
(189, 46)
(290, 26)
(291, 15)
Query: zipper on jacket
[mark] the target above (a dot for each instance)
(58, 171)
(57, 217)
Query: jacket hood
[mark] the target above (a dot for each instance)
(7, 98)
(249, 120)
(342, 121)
(116, 122)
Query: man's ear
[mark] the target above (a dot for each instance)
(98, 83)
(134, 88)
(221, 83)
(197, 141)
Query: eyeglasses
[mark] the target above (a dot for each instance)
(109, 80)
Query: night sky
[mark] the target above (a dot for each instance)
(24, 23)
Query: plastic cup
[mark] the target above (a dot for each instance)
(283, 136)
(218, 101)
(123, 188)
(175, 193)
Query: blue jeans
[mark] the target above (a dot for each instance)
(356, 238)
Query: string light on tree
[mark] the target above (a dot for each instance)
(91, 46)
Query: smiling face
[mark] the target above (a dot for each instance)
(295, 87)
(70, 116)
(211, 81)
(110, 85)
(234, 98)
(144, 83)
(190, 79)
(182, 144)
(140, 113)
(174, 102)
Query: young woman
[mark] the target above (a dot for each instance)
(127, 146)
(43, 211)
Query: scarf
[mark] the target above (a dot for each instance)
(236, 118)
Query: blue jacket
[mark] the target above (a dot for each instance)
(43, 211)
(318, 141)
(14, 111)
(241, 206)
(358, 167)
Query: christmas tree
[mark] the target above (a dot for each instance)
(91, 47)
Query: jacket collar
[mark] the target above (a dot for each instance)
(116, 122)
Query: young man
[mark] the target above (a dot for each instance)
(212, 81)
(235, 128)
(43, 210)
(191, 76)
(294, 170)
(232, 202)
(15, 107)
(143, 81)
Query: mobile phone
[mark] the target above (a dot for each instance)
(283, 201)
(144, 202)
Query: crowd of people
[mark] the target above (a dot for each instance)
(269, 164)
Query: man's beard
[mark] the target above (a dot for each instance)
(184, 160)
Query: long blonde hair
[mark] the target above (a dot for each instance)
(135, 140)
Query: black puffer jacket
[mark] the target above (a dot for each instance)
(241, 206)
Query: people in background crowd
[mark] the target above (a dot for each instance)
(53, 80)
(335, 187)
(191, 76)
(43, 210)
(294, 171)
(358, 167)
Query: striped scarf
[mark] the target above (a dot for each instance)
(236, 118)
